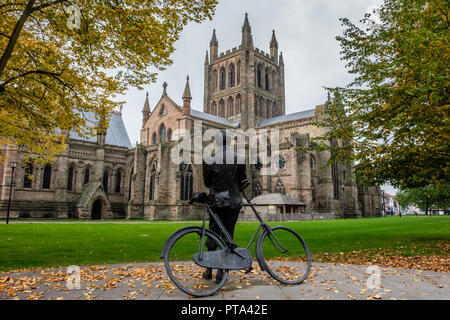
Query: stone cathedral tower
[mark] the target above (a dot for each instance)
(245, 84)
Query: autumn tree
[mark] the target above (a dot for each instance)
(392, 120)
(60, 59)
(430, 197)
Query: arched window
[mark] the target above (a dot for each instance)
(154, 138)
(70, 176)
(28, 176)
(215, 81)
(46, 179)
(257, 107)
(274, 81)
(261, 107)
(266, 78)
(232, 74)
(214, 108)
(238, 73)
(221, 108)
(162, 133)
(151, 190)
(335, 173)
(230, 107)
(268, 109)
(163, 111)
(106, 180)
(186, 182)
(259, 76)
(280, 187)
(238, 104)
(223, 75)
(118, 187)
(257, 189)
(87, 173)
(275, 111)
(169, 135)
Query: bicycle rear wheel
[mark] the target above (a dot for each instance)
(288, 260)
(187, 276)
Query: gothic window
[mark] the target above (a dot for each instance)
(261, 107)
(232, 76)
(215, 81)
(238, 77)
(274, 81)
(222, 79)
(154, 138)
(280, 187)
(256, 107)
(266, 78)
(259, 76)
(70, 178)
(46, 179)
(281, 162)
(162, 133)
(163, 111)
(27, 177)
(222, 109)
(214, 108)
(238, 104)
(105, 180)
(257, 190)
(118, 186)
(186, 182)
(275, 110)
(151, 191)
(230, 107)
(169, 135)
(87, 173)
(312, 163)
(268, 109)
(335, 173)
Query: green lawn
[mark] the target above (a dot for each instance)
(46, 245)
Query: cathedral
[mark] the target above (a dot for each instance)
(105, 177)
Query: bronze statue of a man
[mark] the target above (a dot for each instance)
(225, 175)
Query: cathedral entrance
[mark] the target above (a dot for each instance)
(96, 213)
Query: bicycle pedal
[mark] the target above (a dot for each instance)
(249, 269)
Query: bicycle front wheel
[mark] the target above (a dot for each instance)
(284, 255)
(184, 273)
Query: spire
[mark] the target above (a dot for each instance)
(145, 111)
(214, 47)
(274, 47)
(246, 26)
(206, 59)
(214, 41)
(273, 42)
(281, 59)
(247, 39)
(146, 105)
(187, 90)
(187, 98)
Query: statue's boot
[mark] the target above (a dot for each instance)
(219, 275)
(207, 274)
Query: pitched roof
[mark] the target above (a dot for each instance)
(116, 135)
(274, 199)
(213, 118)
(286, 117)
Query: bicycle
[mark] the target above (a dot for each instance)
(270, 243)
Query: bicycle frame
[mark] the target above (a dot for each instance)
(229, 240)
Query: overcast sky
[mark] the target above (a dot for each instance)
(305, 30)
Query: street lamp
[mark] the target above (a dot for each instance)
(13, 165)
(343, 198)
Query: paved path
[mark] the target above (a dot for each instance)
(148, 281)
